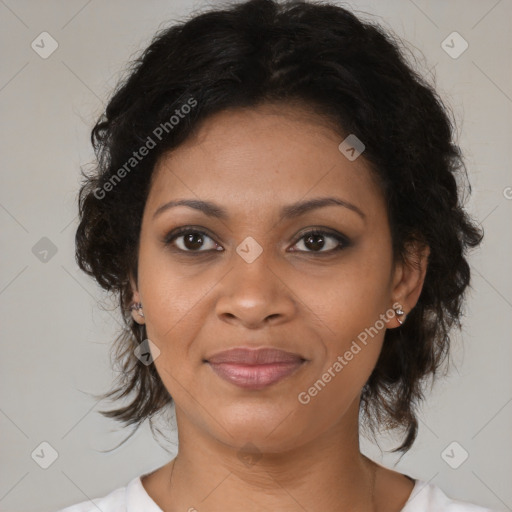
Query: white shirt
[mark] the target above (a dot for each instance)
(424, 497)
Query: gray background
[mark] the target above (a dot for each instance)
(55, 337)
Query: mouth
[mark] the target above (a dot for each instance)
(254, 369)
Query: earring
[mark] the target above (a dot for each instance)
(400, 312)
(138, 307)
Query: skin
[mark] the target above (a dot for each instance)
(299, 297)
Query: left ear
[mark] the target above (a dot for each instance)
(408, 279)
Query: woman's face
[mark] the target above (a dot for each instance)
(257, 279)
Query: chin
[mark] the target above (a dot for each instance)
(269, 431)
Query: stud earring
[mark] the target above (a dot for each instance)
(400, 312)
(138, 307)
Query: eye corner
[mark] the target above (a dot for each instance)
(169, 240)
(342, 240)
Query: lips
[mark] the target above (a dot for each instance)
(254, 356)
(254, 368)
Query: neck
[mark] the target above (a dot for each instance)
(327, 473)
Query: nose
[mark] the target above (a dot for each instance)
(255, 294)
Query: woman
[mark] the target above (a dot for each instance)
(275, 205)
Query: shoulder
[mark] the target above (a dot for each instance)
(426, 497)
(114, 501)
(122, 499)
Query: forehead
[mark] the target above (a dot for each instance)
(263, 157)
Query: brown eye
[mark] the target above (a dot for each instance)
(316, 241)
(193, 241)
(190, 240)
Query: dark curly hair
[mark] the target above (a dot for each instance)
(351, 73)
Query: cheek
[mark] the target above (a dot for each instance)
(352, 336)
(172, 301)
(169, 290)
(351, 307)
(351, 295)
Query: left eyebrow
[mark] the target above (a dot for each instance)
(302, 207)
(287, 212)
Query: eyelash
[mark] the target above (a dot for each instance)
(343, 241)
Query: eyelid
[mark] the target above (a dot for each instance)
(183, 230)
(343, 240)
(323, 231)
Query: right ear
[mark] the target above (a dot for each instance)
(137, 314)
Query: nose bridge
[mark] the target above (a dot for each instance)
(254, 290)
(251, 268)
